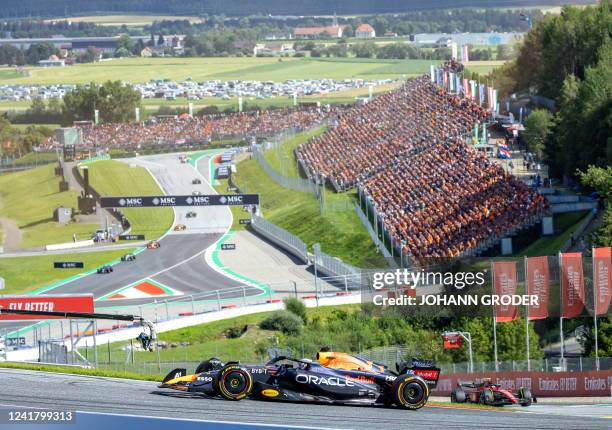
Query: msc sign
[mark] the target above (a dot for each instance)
(68, 264)
(161, 201)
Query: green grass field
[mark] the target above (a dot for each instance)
(223, 68)
(483, 67)
(565, 224)
(114, 178)
(340, 232)
(130, 20)
(26, 274)
(34, 214)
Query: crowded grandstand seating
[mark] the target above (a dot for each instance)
(200, 129)
(438, 197)
(396, 125)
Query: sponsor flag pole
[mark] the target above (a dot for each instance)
(561, 312)
(526, 261)
(494, 321)
(595, 309)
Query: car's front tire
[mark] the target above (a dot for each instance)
(233, 382)
(487, 397)
(409, 392)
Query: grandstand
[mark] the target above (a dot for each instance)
(407, 151)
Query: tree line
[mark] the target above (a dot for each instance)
(54, 8)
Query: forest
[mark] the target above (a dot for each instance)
(65, 8)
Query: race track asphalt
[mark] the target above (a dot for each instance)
(82, 393)
(179, 263)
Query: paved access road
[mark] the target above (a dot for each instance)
(82, 393)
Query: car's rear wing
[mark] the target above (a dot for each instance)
(426, 369)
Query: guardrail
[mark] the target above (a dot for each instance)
(280, 237)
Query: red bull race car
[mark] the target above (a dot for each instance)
(487, 393)
(335, 378)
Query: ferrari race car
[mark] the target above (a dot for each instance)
(105, 269)
(153, 244)
(128, 257)
(487, 393)
(180, 227)
(336, 378)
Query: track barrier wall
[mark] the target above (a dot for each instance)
(541, 384)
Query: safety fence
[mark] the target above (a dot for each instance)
(390, 355)
(295, 184)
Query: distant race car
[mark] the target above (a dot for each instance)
(487, 393)
(196, 181)
(191, 214)
(335, 378)
(196, 193)
(153, 244)
(128, 257)
(105, 269)
(180, 227)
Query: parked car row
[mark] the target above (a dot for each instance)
(192, 90)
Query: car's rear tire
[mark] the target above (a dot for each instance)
(525, 395)
(458, 396)
(409, 392)
(233, 382)
(487, 397)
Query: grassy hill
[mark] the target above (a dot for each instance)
(29, 198)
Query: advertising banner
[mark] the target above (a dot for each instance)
(538, 284)
(602, 280)
(542, 384)
(504, 274)
(170, 201)
(572, 284)
(83, 303)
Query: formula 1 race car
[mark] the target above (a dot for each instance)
(487, 393)
(128, 257)
(196, 181)
(153, 244)
(336, 378)
(105, 269)
(191, 214)
(180, 227)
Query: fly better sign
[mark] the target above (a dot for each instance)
(164, 201)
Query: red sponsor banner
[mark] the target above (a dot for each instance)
(602, 278)
(572, 285)
(541, 384)
(504, 273)
(452, 341)
(538, 284)
(45, 303)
